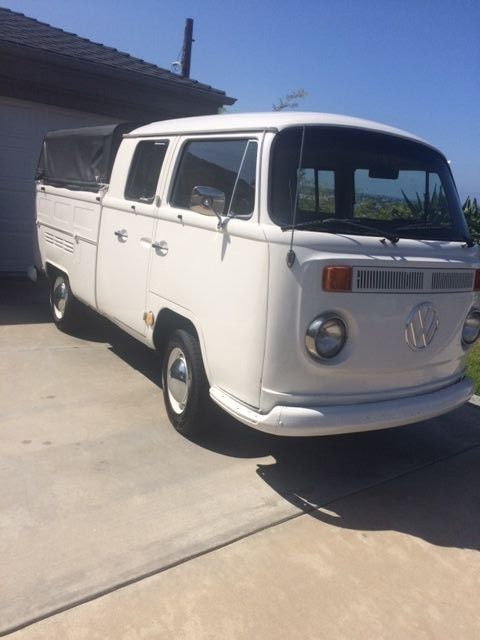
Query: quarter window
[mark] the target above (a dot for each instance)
(145, 170)
(228, 166)
(316, 191)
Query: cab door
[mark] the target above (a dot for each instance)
(217, 277)
(126, 233)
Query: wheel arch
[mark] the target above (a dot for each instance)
(52, 270)
(166, 323)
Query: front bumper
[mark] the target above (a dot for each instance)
(330, 420)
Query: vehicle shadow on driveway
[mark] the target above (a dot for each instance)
(96, 328)
(23, 301)
(435, 498)
(422, 480)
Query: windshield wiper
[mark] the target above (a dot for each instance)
(358, 225)
(307, 225)
(343, 221)
(303, 225)
(420, 226)
(430, 226)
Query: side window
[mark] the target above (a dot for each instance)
(228, 166)
(243, 197)
(145, 170)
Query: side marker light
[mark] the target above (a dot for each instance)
(476, 283)
(337, 278)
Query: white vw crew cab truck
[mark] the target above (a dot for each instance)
(310, 273)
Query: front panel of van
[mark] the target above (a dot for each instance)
(377, 362)
(408, 255)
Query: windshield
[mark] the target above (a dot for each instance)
(363, 183)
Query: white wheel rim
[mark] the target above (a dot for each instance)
(178, 380)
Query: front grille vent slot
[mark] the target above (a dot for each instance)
(451, 280)
(376, 279)
(389, 280)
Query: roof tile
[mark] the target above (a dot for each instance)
(18, 29)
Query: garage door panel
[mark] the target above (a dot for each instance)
(23, 126)
(16, 204)
(18, 164)
(19, 237)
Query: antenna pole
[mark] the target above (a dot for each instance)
(187, 47)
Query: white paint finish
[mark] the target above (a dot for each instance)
(75, 221)
(22, 128)
(121, 166)
(63, 212)
(83, 272)
(218, 278)
(236, 122)
(123, 262)
(86, 221)
(347, 418)
(376, 363)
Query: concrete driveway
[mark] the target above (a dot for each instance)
(99, 492)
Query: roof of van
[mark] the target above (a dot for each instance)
(276, 121)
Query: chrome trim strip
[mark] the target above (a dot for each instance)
(201, 132)
(50, 226)
(75, 236)
(83, 239)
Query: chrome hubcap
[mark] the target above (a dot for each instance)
(178, 380)
(59, 297)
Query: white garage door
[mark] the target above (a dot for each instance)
(22, 127)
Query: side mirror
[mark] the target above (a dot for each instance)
(209, 201)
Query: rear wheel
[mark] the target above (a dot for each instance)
(63, 304)
(185, 386)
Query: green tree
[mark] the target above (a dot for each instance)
(289, 101)
(471, 210)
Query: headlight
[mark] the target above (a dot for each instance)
(471, 327)
(326, 336)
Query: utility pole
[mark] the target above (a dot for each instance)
(187, 48)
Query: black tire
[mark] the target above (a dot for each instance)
(63, 304)
(185, 385)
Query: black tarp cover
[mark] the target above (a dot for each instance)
(80, 159)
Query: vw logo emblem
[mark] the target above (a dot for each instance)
(422, 325)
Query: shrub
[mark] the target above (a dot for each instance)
(471, 210)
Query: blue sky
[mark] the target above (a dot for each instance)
(414, 64)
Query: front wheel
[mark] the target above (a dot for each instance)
(185, 386)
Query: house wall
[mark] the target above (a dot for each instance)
(23, 125)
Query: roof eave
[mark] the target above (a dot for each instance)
(179, 86)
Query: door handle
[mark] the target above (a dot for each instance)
(161, 247)
(122, 234)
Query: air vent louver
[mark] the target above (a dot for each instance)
(56, 241)
(378, 280)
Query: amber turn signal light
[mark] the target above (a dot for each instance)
(337, 278)
(476, 284)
